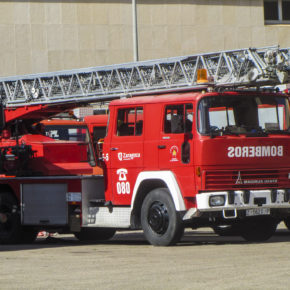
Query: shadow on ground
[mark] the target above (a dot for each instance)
(191, 238)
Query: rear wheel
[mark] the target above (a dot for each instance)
(258, 229)
(95, 234)
(28, 235)
(160, 222)
(11, 230)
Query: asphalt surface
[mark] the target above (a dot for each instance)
(202, 260)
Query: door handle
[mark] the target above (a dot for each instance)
(114, 149)
(161, 146)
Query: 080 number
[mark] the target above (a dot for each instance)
(123, 187)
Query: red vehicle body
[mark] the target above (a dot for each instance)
(75, 130)
(169, 161)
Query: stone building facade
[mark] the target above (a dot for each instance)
(40, 36)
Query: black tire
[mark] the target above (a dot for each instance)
(161, 224)
(11, 231)
(95, 234)
(258, 229)
(287, 222)
(226, 230)
(28, 235)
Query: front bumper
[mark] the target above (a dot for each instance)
(240, 200)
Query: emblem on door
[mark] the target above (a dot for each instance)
(173, 153)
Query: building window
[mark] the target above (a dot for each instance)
(277, 11)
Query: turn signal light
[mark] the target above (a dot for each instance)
(198, 171)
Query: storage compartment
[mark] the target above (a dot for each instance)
(44, 204)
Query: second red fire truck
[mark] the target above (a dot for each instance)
(193, 150)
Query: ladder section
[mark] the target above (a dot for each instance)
(235, 68)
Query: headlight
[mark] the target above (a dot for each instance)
(217, 200)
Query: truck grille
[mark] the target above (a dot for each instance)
(233, 179)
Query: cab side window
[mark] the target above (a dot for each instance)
(178, 118)
(130, 122)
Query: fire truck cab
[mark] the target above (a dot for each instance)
(200, 159)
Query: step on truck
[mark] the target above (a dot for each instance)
(196, 141)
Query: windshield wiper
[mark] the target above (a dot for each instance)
(279, 132)
(215, 131)
(257, 132)
(229, 130)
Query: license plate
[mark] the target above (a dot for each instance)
(257, 211)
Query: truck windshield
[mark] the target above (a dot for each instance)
(67, 132)
(250, 115)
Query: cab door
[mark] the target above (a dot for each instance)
(126, 153)
(176, 144)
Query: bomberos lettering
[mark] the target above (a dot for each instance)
(255, 151)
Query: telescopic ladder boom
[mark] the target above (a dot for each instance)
(234, 68)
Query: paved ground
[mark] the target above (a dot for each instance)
(201, 261)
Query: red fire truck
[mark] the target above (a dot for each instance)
(182, 149)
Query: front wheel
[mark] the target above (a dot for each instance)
(95, 234)
(160, 222)
(258, 229)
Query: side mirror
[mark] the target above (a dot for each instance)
(188, 136)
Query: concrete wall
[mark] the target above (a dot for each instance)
(39, 36)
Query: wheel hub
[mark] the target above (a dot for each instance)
(158, 217)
